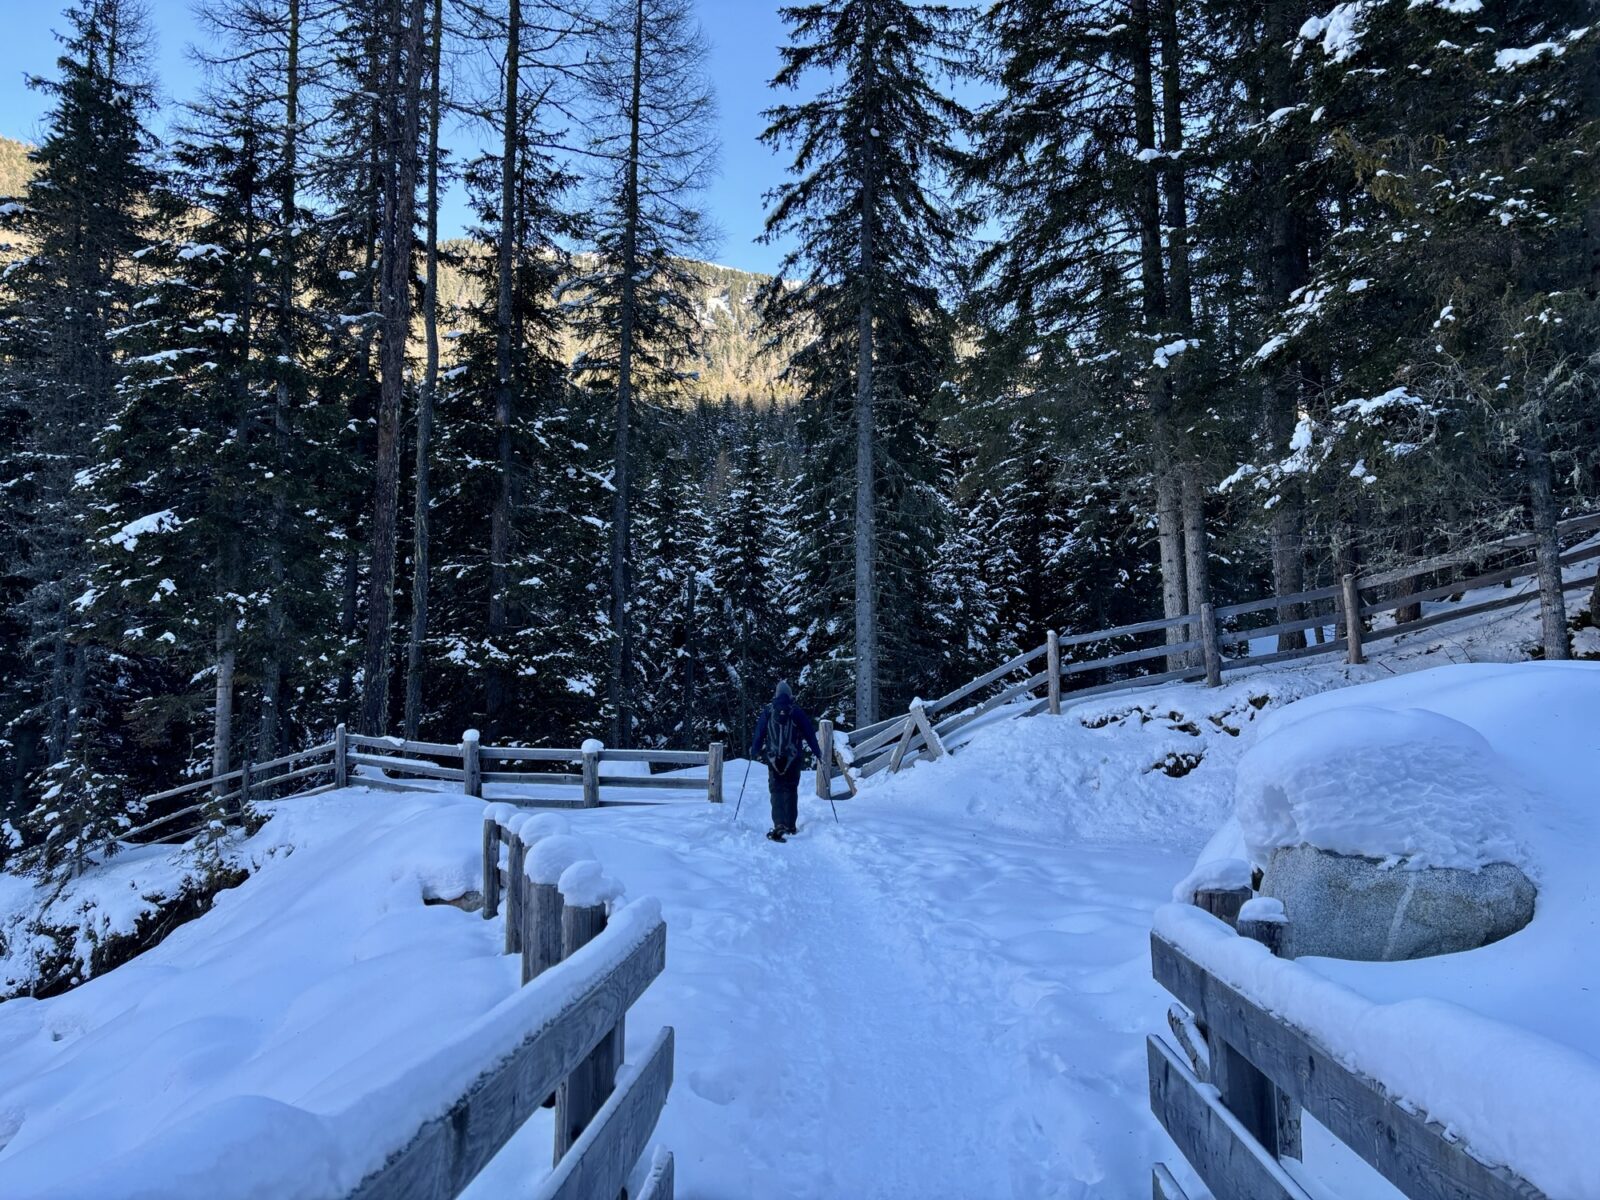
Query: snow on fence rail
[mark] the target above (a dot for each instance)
(1231, 1099)
(557, 902)
(1207, 645)
(394, 764)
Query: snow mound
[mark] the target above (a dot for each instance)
(1403, 784)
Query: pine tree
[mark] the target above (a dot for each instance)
(875, 241)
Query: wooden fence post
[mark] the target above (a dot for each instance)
(1271, 1115)
(714, 773)
(825, 763)
(1209, 646)
(541, 923)
(1352, 620)
(1052, 655)
(244, 791)
(491, 866)
(591, 773)
(515, 894)
(471, 764)
(582, 1093)
(933, 746)
(341, 756)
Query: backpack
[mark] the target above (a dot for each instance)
(783, 740)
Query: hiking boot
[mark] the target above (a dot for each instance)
(776, 835)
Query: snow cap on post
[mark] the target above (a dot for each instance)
(592, 746)
(585, 884)
(549, 857)
(539, 826)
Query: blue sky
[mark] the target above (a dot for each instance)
(744, 35)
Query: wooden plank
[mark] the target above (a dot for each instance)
(1128, 656)
(1336, 646)
(1478, 553)
(541, 943)
(591, 780)
(1398, 1141)
(341, 756)
(445, 1153)
(184, 789)
(533, 777)
(1138, 627)
(1052, 670)
(1525, 570)
(1350, 609)
(1237, 637)
(858, 736)
(1132, 683)
(291, 776)
(529, 754)
(823, 777)
(1269, 603)
(491, 867)
(880, 739)
(982, 681)
(401, 746)
(1217, 1146)
(379, 784)
(160, 821)
(714, 773)
(658, 1184)
(678, 782)
(1163, 1186)
(665, 758)
(930, 739)
(600, 1161)
(1211, 648)
(408, 766)
(897, 758)
(516, 854)
(589, 1084)
(956, 720)
(471, 764)
(285, 760)
(1445, 616)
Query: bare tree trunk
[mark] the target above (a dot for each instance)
(866, 539)
(350, 586)
(272, 669)
(1410, 551)
(403, 83)
(1197, 566)
(222, 719)
(430, 381)
(496, 682)
(1169, 498)
(622, 480)
(1546, 540)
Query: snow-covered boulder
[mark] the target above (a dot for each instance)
(1387, 833)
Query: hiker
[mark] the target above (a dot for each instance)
(784, 732)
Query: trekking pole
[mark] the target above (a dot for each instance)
(748, 764)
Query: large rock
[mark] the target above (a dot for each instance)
(1345, 906)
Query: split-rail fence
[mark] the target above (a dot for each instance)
(1218, 640)
(605, 1110)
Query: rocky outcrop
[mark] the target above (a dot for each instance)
(1345, 906)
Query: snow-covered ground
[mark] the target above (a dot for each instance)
(944, 994)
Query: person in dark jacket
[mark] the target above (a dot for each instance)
(783, 734)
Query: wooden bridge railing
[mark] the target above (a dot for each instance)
(394, 764)
(595, 960)
(1231, 1098)
(1209, 644)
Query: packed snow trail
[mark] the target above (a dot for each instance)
(893, 1006)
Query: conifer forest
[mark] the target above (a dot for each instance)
(1088, 312)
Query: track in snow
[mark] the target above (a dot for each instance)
(892, 1008)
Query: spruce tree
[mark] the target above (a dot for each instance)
(860, 295)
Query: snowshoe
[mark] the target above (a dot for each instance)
(776, 835)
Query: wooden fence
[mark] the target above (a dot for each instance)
(394, 764)
(1232, 1098)
(1214, 642)
(605, 1114)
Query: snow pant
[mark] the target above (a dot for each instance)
(784, 787)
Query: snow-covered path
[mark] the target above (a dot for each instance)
(895, 1007)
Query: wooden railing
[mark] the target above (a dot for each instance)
(1231, 1099)
(555, 900)
(1210, 644)
(394, 764)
